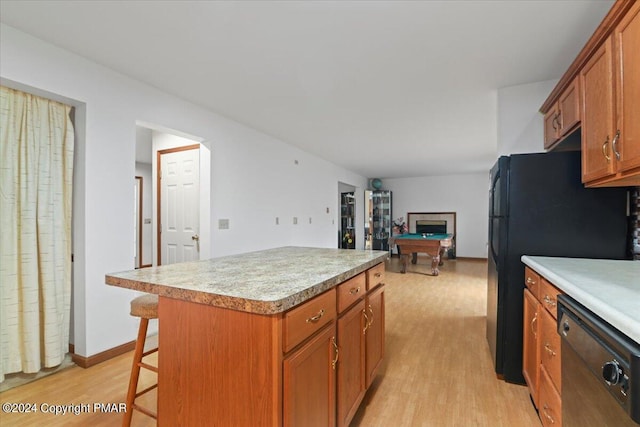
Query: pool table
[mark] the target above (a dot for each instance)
(414, 243)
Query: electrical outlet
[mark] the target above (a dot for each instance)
(223, 224)
(277, 221)
(295, 220)
(309, 220)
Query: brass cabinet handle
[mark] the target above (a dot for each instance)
(533, 329)
(604, 149)
(334, 362)
(371, 319)
(546, 414)
(377, 275)
(354, 291)
(554, 121)
(549, 350)
(549, 301)
(530, 281)
(317, 317)
(366, 322)
(614, 145)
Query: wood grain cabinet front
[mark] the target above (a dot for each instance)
(541, 357)
(308, 366)
(361, 345)
(309, 397)
(600, 92)
(550, 406)
(374, 333)
(564, 117)
(351, 384)
(304, 320)
(610, 128)
(375, 276)
(530, 361)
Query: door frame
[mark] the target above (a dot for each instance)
(159, 192)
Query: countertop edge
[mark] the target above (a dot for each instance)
(621, 321)
(239, 303)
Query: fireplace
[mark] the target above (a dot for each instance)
(431, 226)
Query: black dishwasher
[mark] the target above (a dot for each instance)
(600, 370)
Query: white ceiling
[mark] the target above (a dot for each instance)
(383, 88)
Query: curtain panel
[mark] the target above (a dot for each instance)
(36, 175)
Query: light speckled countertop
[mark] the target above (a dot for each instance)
(265, 282)
(609, 288)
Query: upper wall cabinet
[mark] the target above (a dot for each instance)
(604, 83)
(564, 115)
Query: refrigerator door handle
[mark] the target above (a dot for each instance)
(492, 193)
(494, 255)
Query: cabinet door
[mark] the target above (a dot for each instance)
(550, 348)
(597, 123)
(351, 363)
(551, 127)
(530, 363)
(309, 382)
(550, 406)
(569, 106)
(375, 333)
(627, 36)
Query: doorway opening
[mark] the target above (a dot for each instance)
(347, 231)
(176, 217)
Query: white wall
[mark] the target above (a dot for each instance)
(254, 178)
(520, 123)
(467, 195)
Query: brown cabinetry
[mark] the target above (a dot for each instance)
(611, 129)
(351, 366)
(360, 339)
(541, 347)
(310, 365)
(606, 78)
(530, 361)
(309, 396)
(564, 116)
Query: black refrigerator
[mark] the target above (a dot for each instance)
(539, 206)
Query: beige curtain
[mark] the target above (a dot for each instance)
(36, 173)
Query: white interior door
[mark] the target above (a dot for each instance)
(179, 206)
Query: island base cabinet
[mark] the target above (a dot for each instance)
(351, 364)
(309, 382)
(375, 333)
(217, 367)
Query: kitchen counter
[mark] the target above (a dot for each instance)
(264, 282)
(609, 288)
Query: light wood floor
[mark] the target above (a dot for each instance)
(437, 369)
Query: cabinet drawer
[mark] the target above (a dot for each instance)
(550, 348)
(351, 291)
(549, 297)
(550, 403)
(375, 276)
(532, 281)
(303, 321)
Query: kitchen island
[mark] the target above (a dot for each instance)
(266, 338)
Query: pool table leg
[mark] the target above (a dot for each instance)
(404, 258)
(414, 258)
(434, 265)
(441, 253)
